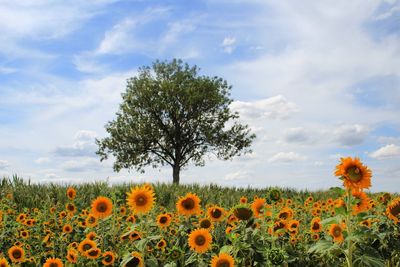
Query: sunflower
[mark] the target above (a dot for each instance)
(72, 256)
(316, 225)
(4, 263)
(315, 236)
(91, 220)
(93, 253)
(393, 210)
(367, 223)
(241, 212)
(293, 225)
(216, 213)
(161, 244)
(141, 199)
(362, 202)
(285, 214)
(205, 223)
(136, 260)
(102, 207)
(260, 208)
(67, 229)
(135, 235)
(24, 234)
(222, 260)
(353, 173)
(200, 240)
(71, 193)
(108, 258)
(336, 232)
(243, 200)
(53, 262)
(164, 220)
(16, 254)
(85, 245)
(188, 205)
(70, 207)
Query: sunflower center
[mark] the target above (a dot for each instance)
(283, 215)
(163, 219)
(93, 252)
(395, 211)
(17, 254)
(223, 263)
(354, 174)
(53, 264)
(87, 247)
(141, 200)
(205, 224)
(200, 240)
(133, 262)
(101, 207)
(315, 226)
(188, 204)
(108, 258)
(216, 213)
(337, 232)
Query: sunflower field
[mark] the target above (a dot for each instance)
(190, 225)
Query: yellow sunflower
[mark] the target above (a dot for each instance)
(67, 229)
(188, 205)
(164, 220)
(162, 244)
(4, 263)
(354, 174)
(108, 258)
(393, 210)
(205, 223)
(141, 199)
(222, 260)
(316, 225)
(200, 240)
(136, 260)
(85, 245)
(71, 193)
(72, 256)
(336, 232)
(16, 254)
(93, 253)
(260, 208)
(216, 213)
(243, 200)
(362, 202)
(91, 220)
(53, 262)
(102, 207)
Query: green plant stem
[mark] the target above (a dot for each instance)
(349, 255)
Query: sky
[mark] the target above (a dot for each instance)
(315, 81)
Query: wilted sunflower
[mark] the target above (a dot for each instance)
(53, 262)
(362, 202)
(136, 260)
(108, 258)
(188, 205)
(16, 254)
(222, 260)
(71, 193)
(102, 207)
(141, 199)
(216, 213)
(354, 174)
(4, 263)
(336, 232)
(164, 220)
(393, 210)
(200, 240)
(72, 256)
(316, 225)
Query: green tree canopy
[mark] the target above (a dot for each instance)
(171, 115)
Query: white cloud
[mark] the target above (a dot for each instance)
(228, 44)
(4, 164)
(393, 10)
(84, 145)
(350, 135)
(286, 157)
(277, 107)
(82, 165)
(388, 151)
(296, 135)
(238, 175)
(42, 160)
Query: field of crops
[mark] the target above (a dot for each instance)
(190, 225)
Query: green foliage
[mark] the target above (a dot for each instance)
(171, 115)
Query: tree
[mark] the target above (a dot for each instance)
(171, 115)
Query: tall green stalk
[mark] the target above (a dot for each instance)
(349, 254)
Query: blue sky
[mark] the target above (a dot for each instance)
(314, 80)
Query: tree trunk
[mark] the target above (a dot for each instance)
(175, 173)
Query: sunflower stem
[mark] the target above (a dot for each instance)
(349, 255)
